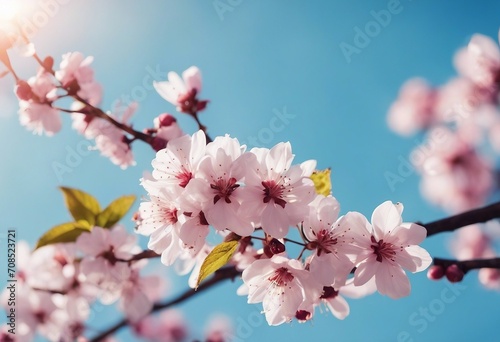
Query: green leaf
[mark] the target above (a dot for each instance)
(115, 211)
(218, 257)
(66, 232)
(322, 182)
(81, 205)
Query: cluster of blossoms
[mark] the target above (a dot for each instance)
(111, 131)
(58, 287)
(456, 172)
(195, 185)
(57, 284)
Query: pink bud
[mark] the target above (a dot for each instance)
(435, 272)
(274, 247)
(454, 274)
(158, 144)
(164, 120)
(48, 63)
(23, 90)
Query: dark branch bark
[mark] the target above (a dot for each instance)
(467, 265)
(452, 223)
(219, 276)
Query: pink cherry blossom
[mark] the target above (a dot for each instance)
(281, 284)
(414, 108)
(177, 164)
(101, 265)
(51, 267)
(75, 72)
(37, 113)
(330, 242)
(111, 140)
(182, 92)
(138, 294)
(454, 175)
(470, 242)
(169, 326)
(389, 245)
(277, 194)
(217, 186)
(480, 61)
(219, 328)
(166, 129)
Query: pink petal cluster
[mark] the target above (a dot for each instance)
(194, 185)
(57, 284)
(454, 175)
(35, 104)
(380, 252)
(468, 106)
(76, 75)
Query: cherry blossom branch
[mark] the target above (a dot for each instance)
(146, 254)
(467, 265)
(101, 114)
(452, 223)
(219, 276)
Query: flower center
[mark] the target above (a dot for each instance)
(281, 277)
(329, 292)
(273, 191)
(171, 215)
(383, 250)
(325, 241)
(224, 188)
(184, 178)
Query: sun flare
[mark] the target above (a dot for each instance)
(9, 9)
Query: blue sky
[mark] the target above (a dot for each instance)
(260, 58)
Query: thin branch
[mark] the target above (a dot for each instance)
(201, 126)
(467, 265)
(146, 254)
(101, 114)
(452, 223)
(219, 276)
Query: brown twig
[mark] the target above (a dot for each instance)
(452, 223)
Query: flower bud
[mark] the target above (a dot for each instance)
(164, 120)
(454, 274)
(158, 144)
(435, 272)
(23, 90)
(273, 247)
(48, 63)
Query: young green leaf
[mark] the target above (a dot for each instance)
(81, 205)
(114, 211)
(218, 257)
(322, 182)
(66, 232)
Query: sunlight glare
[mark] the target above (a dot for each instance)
(9, 9)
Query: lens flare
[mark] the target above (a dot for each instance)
(9, 9)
